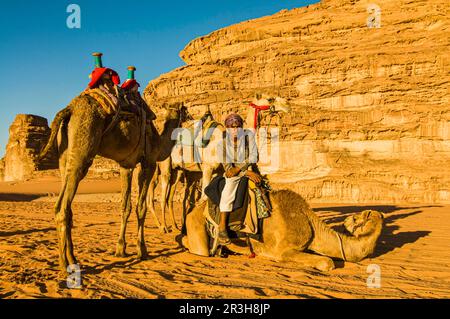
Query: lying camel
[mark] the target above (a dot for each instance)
(294, 228)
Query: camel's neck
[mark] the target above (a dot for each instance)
(254, 112)
(327, 242)
(169, 126)
(357, 248)
(165, 138)
(250, 118)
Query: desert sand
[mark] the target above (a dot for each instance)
(412, 254)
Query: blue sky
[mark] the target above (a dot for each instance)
(45, 64)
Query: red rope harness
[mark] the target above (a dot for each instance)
(258, 108)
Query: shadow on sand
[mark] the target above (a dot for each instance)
(16, 197)
(28, 231)
(130, 261)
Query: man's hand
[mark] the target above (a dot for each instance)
(254, 177)
(232, 172)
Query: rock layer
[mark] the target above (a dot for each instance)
(370, 116)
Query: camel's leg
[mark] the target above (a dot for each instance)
(145, 175)
(126, 177)
(165, 179)
(197, 237)
(191, 196)
(322, 263)
(173, 186)
(79, 141)
(74, 172)
(151, 195)
(186, 203)
(62, 151)
(207, 172)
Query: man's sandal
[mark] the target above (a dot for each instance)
(223, 238)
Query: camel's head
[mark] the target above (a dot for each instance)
(280, 104)
(177, 110)
(277, 104)
(364, 223)
(184, 114)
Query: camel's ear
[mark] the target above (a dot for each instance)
(381, 214)
(365, 214)
(258, 95)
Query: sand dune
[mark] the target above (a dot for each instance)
(413, 256)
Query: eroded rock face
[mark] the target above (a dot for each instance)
(27, 134)
(370, 116)
(2, 169)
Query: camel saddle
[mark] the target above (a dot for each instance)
(122, 107)
(251, 206)
(108, 102)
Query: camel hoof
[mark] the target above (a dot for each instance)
(120, 254)
(62, 274)
(142, 255)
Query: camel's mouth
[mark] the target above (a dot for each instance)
(282, 105)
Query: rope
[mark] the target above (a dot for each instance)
(341, 246)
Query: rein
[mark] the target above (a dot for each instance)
(258, 108)
(341, 247)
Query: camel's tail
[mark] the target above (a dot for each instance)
(57, 121)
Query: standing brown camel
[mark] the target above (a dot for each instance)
(175, 115)
(209, 163)
(83, 130)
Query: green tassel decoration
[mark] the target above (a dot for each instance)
(131, 70)
(98, 59)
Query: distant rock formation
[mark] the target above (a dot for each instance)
(27, 135)
(371, 111)
(104, 168)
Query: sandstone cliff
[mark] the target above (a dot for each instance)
(27, 134)
(2, 169)
(371, 112)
